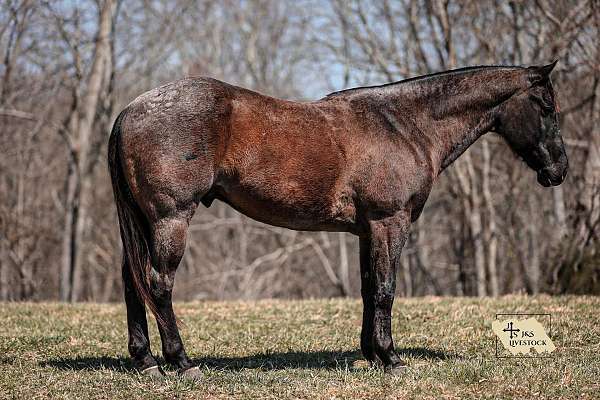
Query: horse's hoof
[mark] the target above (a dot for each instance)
(396, 370)
(374, 362)
(154, 372)
(191, 374)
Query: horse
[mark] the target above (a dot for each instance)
(360, 160)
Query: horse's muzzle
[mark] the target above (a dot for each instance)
(553, 175)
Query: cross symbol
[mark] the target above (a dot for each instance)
(509, 328)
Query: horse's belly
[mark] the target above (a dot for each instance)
(293, 211)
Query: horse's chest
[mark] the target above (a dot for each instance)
(394, 185)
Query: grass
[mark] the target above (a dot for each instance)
(300, 349)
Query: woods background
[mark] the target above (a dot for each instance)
(68, 67)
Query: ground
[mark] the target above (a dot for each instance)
(300, 349)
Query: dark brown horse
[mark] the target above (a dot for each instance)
(361, 160)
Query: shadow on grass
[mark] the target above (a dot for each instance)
(266, 361)
(309, 360)
(121, 364)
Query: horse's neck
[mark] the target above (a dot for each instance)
(452, 123)
(453, 110)
(455, 140)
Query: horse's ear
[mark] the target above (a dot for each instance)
(539, 74)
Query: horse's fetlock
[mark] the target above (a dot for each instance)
(173, 350)
(138, 348)
(383, 343)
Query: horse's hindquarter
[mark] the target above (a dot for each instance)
(169, 143)
(285, 164)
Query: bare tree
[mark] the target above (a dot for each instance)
(66, 68)
(88, 90)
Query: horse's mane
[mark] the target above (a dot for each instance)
(432, 76)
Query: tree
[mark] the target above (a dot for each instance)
(90, 99)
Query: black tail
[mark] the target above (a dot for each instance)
(132, 222)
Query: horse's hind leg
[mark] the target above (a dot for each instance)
(139, 343)
(168, 242)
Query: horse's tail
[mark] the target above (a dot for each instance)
(133, 224)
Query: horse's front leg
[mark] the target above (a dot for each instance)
(387, 237)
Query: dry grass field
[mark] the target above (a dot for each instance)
(300, 349)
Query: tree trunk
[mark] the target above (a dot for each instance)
(407, 277)
(69, 242)
(560, 215)
(491, 241)
(591, 181)
(344, 275)
(479, 253)
(533, 266)
(473, 214)
(3, 271)
(80, 172)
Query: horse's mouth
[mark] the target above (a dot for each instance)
(551, 176)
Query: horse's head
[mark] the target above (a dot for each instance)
(529, 123)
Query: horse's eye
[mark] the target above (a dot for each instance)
(546, 110)
(545, 107)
